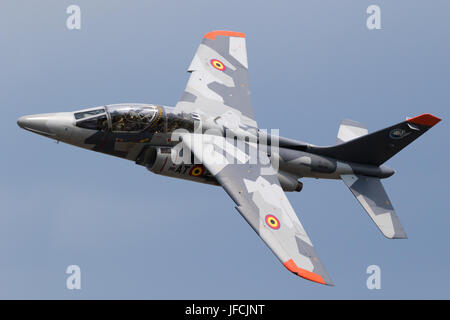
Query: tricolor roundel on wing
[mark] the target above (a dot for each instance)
(273, 222)
(217, 64)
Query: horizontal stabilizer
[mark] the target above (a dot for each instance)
(349, 130)
(371, 195)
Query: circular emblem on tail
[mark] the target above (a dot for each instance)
(397, 133)
(273, 222)
(197, 171)
(217, 64)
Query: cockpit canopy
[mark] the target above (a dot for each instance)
(88, 113)
(119, 118)
(133, 118)
(94, 119)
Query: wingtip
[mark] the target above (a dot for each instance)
(394, 234)
(425, 119)
(212, 35)
(400, 236)
(308, 275)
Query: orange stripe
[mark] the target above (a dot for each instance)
(425, 119)
(212, 35)
(292, 267)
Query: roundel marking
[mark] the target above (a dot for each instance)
(196, 171)
(397, 133)
(217, 64)
(273, 222)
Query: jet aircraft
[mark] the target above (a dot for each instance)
(192, 141)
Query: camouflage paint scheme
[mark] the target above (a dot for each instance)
(217, 99)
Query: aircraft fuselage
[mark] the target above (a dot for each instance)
(144, 133)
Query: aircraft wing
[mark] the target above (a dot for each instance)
(219, 78)
(248, 177)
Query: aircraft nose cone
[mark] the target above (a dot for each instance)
(36, 123)
(22, 121)
(52, 125)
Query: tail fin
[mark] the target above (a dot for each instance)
(371, 195)
(377, 147)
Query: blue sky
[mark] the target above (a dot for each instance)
(138, 235)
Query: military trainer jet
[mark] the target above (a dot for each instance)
(211, 136)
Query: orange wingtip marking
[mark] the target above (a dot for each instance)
(212, 35)
(425, 119)
(292, 267)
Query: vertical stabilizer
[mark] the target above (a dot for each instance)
(355, 145)
(371, 195)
